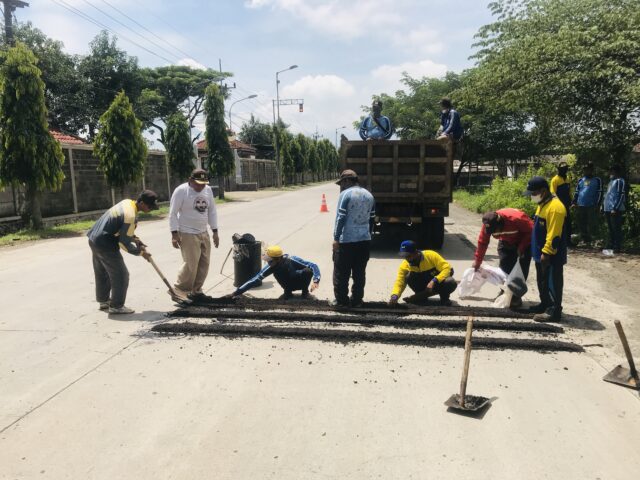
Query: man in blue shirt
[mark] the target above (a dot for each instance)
(351, 239)
(291, 272)
(614, 207)
(376, 126)
(586, 200)
(450, 121)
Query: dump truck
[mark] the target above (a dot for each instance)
(411, 181)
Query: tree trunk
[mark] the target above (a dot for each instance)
(221, 188)
(33, 212)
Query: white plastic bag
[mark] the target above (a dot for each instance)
(472, 280)
(504, 300)
(516, 282)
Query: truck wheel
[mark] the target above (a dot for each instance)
(432, 232)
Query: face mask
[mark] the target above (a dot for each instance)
(536, 198)
(444, 110)
(611, 177)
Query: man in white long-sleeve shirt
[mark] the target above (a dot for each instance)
(192, 208)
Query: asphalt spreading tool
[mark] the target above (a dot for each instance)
(462, 401)
(627, 377)
(174, 295)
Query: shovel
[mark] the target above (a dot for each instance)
(174, 296)
(464, 402)
(627, 377)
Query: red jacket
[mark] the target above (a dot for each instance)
(516, 231)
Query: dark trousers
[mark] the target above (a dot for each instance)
(550, 283)
(112, 276)
(299, 280)
(509, 256)
(614, 223)
(350, 261)
(567, 230)
(418, 281)
(586, 217)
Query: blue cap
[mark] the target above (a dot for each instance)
(408, 247)
(535, 184)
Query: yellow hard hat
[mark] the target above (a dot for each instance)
(274, 251)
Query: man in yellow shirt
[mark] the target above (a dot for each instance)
(548, 249)
(425, 272)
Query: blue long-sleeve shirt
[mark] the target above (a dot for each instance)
(284, 272)
(588, 192)
(370, 129)
(355, 214)
(451, 124)
(615, 197)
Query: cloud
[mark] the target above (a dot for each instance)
(190, 62)
(340, 18)
(325, 87)
(427, 42)
(389, 76)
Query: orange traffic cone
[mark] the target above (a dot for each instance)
(323, 206)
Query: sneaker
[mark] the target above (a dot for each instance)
(305, 295)
(104, 306)
(445, 302)
(286, 296)
(551, 315)
(121, 310)
(516, 302)
(336, 303)
(539, 308)
(356, 303)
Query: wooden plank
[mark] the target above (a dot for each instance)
(369, 165)
(421, 170)
(395, 169)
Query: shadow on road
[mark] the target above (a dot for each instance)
(144, 316)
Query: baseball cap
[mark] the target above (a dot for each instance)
(347, 174)
(200, 176)
(535, 184)
(407, 247)
(150, 198)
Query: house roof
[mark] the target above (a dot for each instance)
(235, 144)
(67, 139)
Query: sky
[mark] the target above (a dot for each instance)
(346, 51)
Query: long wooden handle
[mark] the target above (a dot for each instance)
(166, 282)
(627, 350)
(467, 361)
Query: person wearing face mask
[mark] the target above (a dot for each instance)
(512, 228)
(376, 126)
(291, 272)
(614, 207)
(586, 200)
(351, 239)
(450, 121)
(192, 208)
(548, 249)
(561, 188)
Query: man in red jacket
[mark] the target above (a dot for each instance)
(512, 228)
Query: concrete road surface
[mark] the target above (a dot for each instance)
(86, 396)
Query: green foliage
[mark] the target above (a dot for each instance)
(179, 147)
(119, 145)
(300, 156)
(220, 157)
(255, 132)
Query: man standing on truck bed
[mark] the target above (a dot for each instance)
(376, 126)
(351, 239)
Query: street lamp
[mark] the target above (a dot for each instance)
(279, 178)
(337, 129)
(241, 100)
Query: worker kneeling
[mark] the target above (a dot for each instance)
(291, 272)
(426, 273)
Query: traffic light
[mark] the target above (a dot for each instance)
(301, 105)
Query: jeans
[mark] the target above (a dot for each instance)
(586, 222)
(112, 276)
(551, 283)
(418, 281)
(614, 222)
(350, 261)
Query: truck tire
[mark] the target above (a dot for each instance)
(432, 232)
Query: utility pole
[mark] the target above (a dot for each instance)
(10, 7)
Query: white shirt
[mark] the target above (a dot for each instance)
(190, 211)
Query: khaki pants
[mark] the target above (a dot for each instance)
(196, 253)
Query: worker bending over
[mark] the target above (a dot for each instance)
(291, 272)
(426, 273)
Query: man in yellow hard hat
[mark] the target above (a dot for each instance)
(291, 272)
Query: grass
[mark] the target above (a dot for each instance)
(76, 229)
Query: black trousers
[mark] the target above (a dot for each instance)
(509, 256)
(550, 283)
(586, 217)
(614, 223)
(418, 281)
(350, 261)
(112, 276)
(300, 280)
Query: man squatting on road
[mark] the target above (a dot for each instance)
(351, 239)
(512, 228)
(291, 272)
(116, 228)
(192, 208)
(426, 273)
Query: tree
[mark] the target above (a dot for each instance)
(106, 71)
(220, 157)
(571, 65)
(255, 132)
(313, 159)
(29, 155)
(179, 147)
(119, 146)
(289, 149)
(301, 155)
